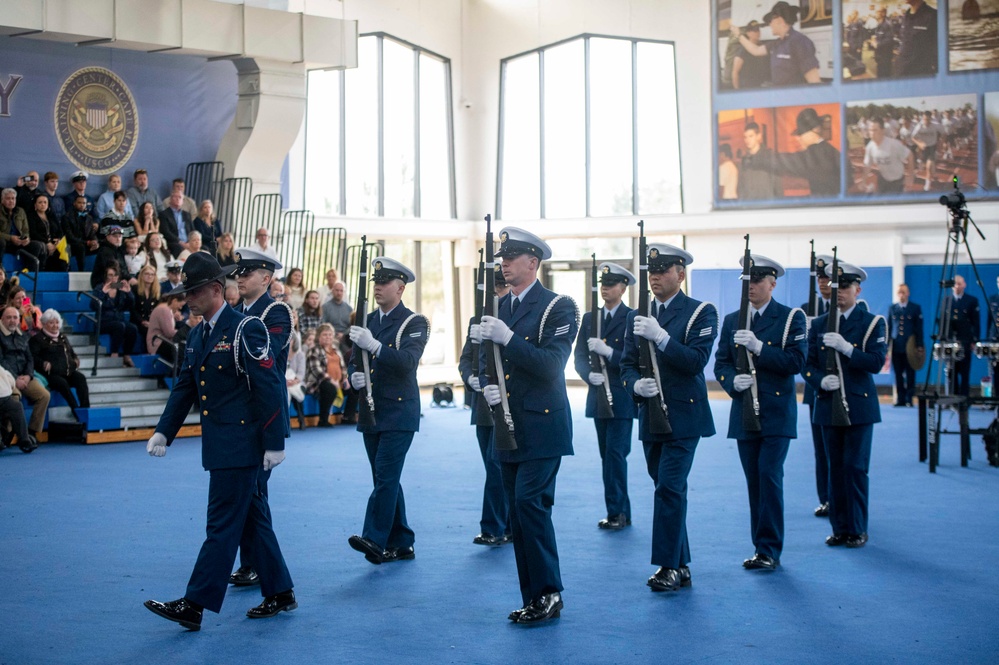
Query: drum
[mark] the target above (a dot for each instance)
(989, 350)
(948, 351)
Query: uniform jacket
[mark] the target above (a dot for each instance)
(681, 368)
(809, 395)
(782, 357)
(171, 234)
(392, 380)
(279, 328)
(858, 370)
(965, 319)
(613, 335)
(240, 414)
(534, 369)
(905, 321)
(15, 356)
(467, 367)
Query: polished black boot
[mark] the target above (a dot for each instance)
(183, 611)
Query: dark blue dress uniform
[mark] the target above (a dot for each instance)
(782, 331)
(848, 449)
(613, 434)
(808, 398)
(240, 419)
(669, 457)
(904, 321)
(992, 327)
(495, 518)
(917, 49)
(396, 395)
(965, 327)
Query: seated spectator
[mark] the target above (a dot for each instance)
(294, 289)
(146, 299)
(31, 316)
(135, 260)
(140, 192)
(208, 227)
(264, 247)
(16, 358)
(174, 271)
(225, 249)
(175, 225)
(81, 232)
(29, 187)
(105, 203)
(308, 340)
(45, 228)
(326, 290)
(157, 254)
(79, 179)
(7, 284)
(12, 412)
(57, 205)
(309, 314)
(146, 221)
(163, 322)
(117, 216)
(277, 291)
(56, 360)
(232, 294)
(295, 378)
(324, 373)
(110, 252)
(177, 187)
(336, 311)
(14, 233)
(193, 245)
(114, 299)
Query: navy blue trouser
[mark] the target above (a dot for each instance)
(233, 501)
(495, 508)
(385, 518)
(530, 489)
(763, 463)
(669, 465)
(905, 377)
(849, 452)
(614, 441)
(821, 461)
(246, 541)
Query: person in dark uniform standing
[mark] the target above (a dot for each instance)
(228, 371)
(777, 341)
(861, 345)
(992, 331)
(792, 56)
(964, 326)
(613, 434)
(395, 337)
(254, 272)
(917, 49)
(821, 465)
(494, 526)
(535, 329)
(884, 45)
(905, 320)
(683, 331)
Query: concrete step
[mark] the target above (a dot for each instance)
(118, 398)
(134, 422)
(121, 385)
(109, 372)
(143, 408)
(87, 361)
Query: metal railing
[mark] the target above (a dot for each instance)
(97, 325)
(233, 206)
(176, 355)
(34, 277)
(324, 249)
(203, 180)
(352, 271)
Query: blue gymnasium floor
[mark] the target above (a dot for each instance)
(89, 533)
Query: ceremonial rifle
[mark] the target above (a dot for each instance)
(840, 407)
(743, 357)
(367, 416)
(813, 297)
(502, 418)
(483, 415)
(658, 412)
(598, 364)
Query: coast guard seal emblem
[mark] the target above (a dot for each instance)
(96, 120)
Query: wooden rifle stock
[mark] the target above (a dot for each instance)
(483, 415)
(743, 358)
(656, 409)
(840, 407)
(605, 399)
(503, 432)
(367, 416)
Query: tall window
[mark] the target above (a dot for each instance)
(588, 128)
(378, 138)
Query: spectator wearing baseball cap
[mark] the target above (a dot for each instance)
(111, 252)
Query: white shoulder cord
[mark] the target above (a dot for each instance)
(237, 344)
(787, 325)
(402, 328)
(693, 317)
(551, 305)
(870, 329)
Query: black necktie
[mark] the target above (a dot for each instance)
(514, 304)
(607, 320)
(756, 319)
(205, 334)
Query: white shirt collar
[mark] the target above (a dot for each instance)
(523, 294)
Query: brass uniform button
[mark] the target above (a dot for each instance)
(205, 412)
(202, 383)
(202, 368)
(204, 397)
(546, 410)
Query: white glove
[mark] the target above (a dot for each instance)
(363, 338)
(595, 379)
(473, 381)
(358, 380)
(649, 328)
(272, 458)
(742, 382)
(836, 341)
(646, 388)
(475, 333)
(492, 394)
(747, 339)
(157, 445)
(495, 330)
(830, 382)
(599, 347)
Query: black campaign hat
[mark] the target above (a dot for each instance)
(807, 120)
(200, 268)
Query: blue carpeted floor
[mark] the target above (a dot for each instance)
(89, 533)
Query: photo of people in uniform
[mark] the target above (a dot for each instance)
(777, 153)
(990, 129)
(763, 45)
(915, 144)
(884, 40)
(972, 35)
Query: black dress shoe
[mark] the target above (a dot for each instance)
(684, 576)
(761, 562)
(615, 523)
(371, 551)
(822, 510)
(836, 541)
(490, 540)
(545, 607)
(398, 554)
(181, 610)
(273, 605)
(244, 576)
(667, 579)
(856, 541)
